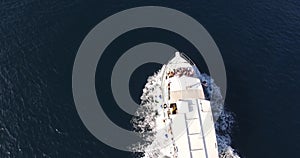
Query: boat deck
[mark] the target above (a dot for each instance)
(185, 126)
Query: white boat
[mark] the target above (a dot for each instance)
(184, 122)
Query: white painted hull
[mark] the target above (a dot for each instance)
(185, 125)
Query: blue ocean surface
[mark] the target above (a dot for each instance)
(259, 42)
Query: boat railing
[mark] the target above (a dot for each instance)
(187, 58)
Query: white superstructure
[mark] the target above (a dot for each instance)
(185, 126)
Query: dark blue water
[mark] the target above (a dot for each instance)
(259, 42)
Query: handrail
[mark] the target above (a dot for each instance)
(187, 58)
